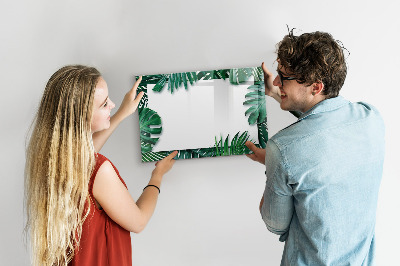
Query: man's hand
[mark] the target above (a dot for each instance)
(270, 89)
(258, 155)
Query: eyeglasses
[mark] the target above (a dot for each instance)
(282, 78)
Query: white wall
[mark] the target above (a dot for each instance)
(208, 208)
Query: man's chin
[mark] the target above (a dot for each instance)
(285, 108)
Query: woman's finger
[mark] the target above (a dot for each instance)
(136, 85)
(172, 155)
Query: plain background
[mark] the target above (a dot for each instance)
(208, 208)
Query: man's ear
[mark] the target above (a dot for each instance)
(317, 88)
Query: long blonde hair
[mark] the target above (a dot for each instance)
(59, 161)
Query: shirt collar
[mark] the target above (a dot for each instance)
(325, 106)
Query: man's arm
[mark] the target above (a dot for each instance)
(277, 204)
(128, 106)
(276, 211)
(270, 89)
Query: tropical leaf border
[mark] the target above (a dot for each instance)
(175, 81)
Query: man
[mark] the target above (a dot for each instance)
(323, 171)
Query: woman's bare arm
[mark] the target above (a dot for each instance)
(128, 107)
(116, 201)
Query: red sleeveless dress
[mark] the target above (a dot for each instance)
(103, 241)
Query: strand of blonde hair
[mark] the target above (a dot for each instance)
(60, 159)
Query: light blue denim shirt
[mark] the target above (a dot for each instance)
(323, 176)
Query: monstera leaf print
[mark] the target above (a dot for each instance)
(235, 147)
(256, 98)
(150, 123)
(175, 80)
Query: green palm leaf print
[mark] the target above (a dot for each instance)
(235, 147)
(256, 99)
(175, 80)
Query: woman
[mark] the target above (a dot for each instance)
(78, 207)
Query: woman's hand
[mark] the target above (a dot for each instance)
(163, 166)
(131, 101)
(270, 89)
(128, 106)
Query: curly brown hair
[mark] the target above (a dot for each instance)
(314, 57)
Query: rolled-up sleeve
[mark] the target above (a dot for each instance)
(277, 209)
